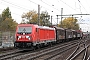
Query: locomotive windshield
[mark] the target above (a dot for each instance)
(24, 29)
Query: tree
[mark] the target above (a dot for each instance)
(6, 13)
(45, 18)
(6, 22)
(0, 20)
(70, 23)
(32, 17)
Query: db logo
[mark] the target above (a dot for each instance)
(23, 36)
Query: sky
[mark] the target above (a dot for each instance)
(18, 7)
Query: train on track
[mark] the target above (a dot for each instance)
(30, 35)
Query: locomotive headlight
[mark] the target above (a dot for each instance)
(19, 37)
(28, 37)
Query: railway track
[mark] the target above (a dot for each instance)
(9, 53)
(81, 53)
(52, 53)
(6, 49)
(44, 52)
(38, 53)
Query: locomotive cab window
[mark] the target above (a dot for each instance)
(26, 29)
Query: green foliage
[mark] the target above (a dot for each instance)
(69, 23)
(0, 18)
(6, 21)
(6, 13)
(45, 18)
(31, 17)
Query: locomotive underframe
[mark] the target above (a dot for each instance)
(23, 44)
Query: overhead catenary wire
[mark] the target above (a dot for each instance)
(44, 2)
(55, 8)
(15, 5)
(44, 7)
(82, 5)
(67, 5)
(32, 2)
(38, 4)
(22, 7)
(50, 6)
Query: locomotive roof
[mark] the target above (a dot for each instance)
(45, 27)
(42, 27)
(26, 24)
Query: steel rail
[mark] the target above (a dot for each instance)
(84, 49)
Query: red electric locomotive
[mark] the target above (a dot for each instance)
(29, 35)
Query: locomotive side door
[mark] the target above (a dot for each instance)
(37, 34)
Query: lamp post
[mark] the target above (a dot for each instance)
(51, 16)
(38, 14)
(57, 20)
(61, 15)
(51, 20)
